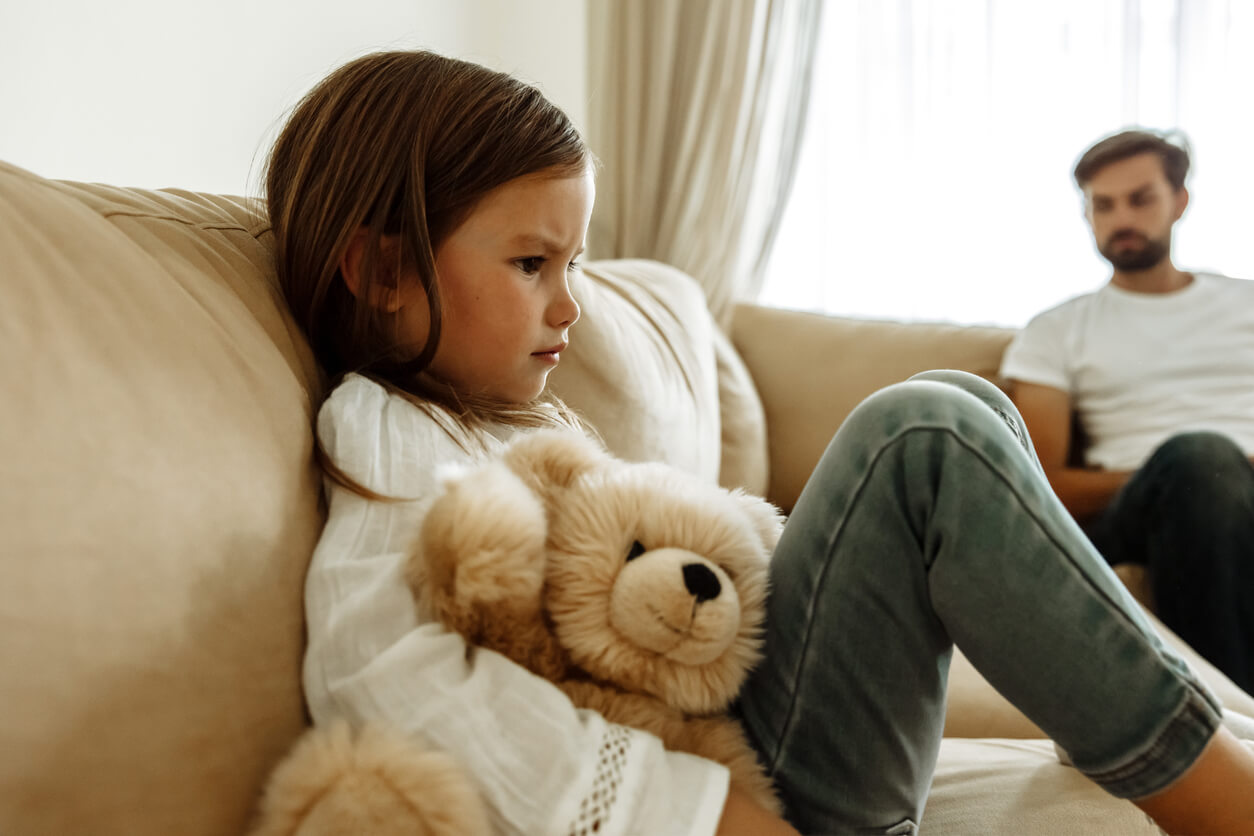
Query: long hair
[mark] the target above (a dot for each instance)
(401, 144)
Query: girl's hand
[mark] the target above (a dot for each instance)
(743, 817)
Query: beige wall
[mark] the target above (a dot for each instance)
(173, 93)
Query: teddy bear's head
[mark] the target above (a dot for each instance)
(643, 577)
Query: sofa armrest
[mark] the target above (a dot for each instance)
(811, 370)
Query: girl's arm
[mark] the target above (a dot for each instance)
(742, 817)
(543, 766)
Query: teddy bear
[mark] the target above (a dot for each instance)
(637, 589)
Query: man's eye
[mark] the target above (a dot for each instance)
(530, 265)
(636, 550)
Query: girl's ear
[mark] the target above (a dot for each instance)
(384, 292)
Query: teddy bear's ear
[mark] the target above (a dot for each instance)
(549, 459)
(765, 517)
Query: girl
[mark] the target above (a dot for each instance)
(427, 214)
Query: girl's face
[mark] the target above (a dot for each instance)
(504, 279)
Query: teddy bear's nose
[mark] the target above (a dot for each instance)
(701, 582)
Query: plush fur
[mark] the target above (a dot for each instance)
(637, 589)
(336, 783)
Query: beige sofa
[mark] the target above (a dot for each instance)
(159, 502)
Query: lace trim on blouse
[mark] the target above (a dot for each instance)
(597, 807)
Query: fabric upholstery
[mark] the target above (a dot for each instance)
(641, 365)
(650, 369)
(157, 510)
(744, 461)
(1018, 786)
(811, 370)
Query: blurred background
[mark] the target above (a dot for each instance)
(933, 173)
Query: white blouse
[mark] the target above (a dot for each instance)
(543, 766)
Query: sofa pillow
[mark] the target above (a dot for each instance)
(157, 510)
(649, 369)
(744, 462)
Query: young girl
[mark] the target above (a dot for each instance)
(428, 214)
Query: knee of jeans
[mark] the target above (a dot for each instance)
(1204, 459)
(932, 398)
(992, 396)
(972, 383)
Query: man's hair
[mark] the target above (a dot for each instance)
(1170, 147)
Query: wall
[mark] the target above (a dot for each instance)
(159, 93)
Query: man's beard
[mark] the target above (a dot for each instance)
(1149, 255)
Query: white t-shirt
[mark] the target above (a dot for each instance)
(1141, 367)
(372, 657)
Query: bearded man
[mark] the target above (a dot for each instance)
(1140, 401)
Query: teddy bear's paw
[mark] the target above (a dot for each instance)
(551, 459)
(335, 783)
(483, 541)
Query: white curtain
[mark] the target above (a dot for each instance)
(696, 114)
(935, 175)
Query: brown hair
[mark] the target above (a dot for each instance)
(1172, 148)
(401, 143)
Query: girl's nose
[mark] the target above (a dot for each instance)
(564, 310)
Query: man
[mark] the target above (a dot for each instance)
(1149, 382)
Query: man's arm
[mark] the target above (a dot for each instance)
(1047, 412)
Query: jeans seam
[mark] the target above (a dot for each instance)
(785, 727)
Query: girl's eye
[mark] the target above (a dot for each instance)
(573, 266)
(636, 551)
(531, 265)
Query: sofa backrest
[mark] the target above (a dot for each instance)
(157, 507)
(160, 502)
(811, 370)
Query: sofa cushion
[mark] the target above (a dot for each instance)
(1019, 787)
(649, 369)
(812, 370)
(157, 510)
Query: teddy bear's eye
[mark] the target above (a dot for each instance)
(636, 550)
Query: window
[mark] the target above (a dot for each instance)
(935, 175)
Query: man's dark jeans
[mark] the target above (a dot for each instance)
(1188, 515)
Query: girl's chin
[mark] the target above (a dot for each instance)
(523, 393)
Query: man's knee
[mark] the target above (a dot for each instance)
(1200, 475)
(1201, 459)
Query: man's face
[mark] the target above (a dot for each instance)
(1131, 208)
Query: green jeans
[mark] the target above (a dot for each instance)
(928, 522)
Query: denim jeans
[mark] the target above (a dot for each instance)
(928, 522)
(1188, 515)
